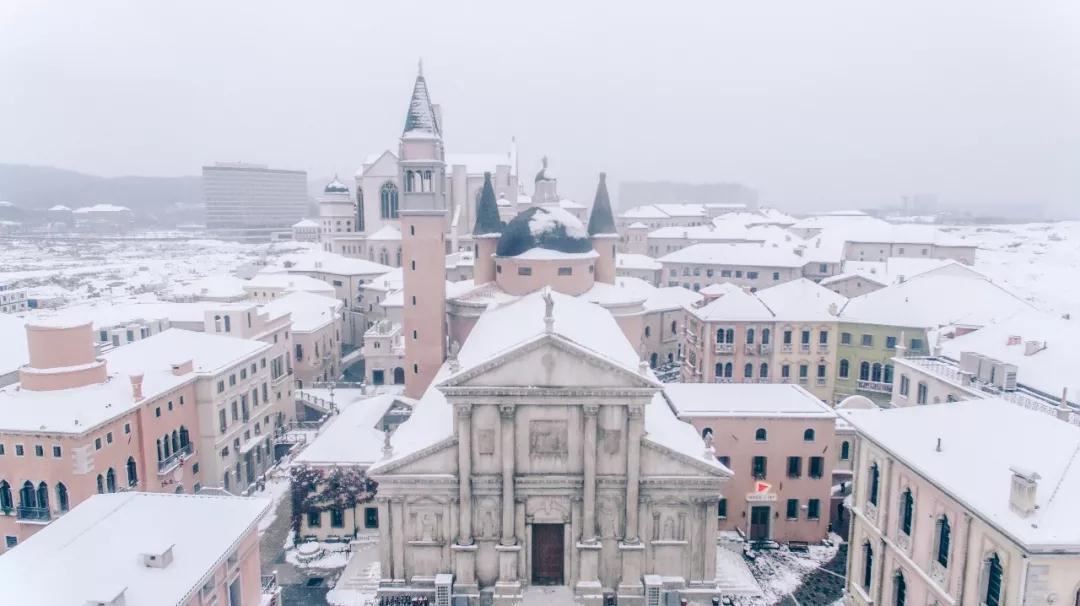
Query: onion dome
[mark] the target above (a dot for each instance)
(336, 187)
(543, 227)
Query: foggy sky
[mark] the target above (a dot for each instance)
(815, 104)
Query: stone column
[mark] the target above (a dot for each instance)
(506, 429)
(464, 431)
(386, 545)
(397, 517)
(635, 421)
(588, 531)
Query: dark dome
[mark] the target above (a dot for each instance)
(336, 187)
(548, 228)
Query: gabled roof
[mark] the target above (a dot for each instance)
(802, 300)
(733, 304)
(746, 254)
(600, 219)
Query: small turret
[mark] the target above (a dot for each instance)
(486, 233)
(603, 233)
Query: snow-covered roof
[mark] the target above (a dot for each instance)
(320, 261)
(354, 436)
(100, 208)
(478, 164)
(118, 312)
(671, 297)
(664, 211)
(549, 228)
(894, 270)
(1048, 370)
(743, 254)
(933, 300)
(626, 292)
(386, 232)
(213, 287)
(802, 300)
(210, 353)
(96, 549)
(879, 280)
(309, 311)
(637, 225)
(733, 304)
(636, 261)
(664, 428)
(288, 283)
(904, 233)
(336, 187)
(744, 400)
(981, 442)
(13, 354)
(59, 207)
(305, 223)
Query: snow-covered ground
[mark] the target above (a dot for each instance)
(780, 572)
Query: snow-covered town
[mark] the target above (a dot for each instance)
(450, 378)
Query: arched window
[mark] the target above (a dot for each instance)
(749, 336)
(225, 480)
(729, 370)
(674, 327)
(748, 370)
(43, 496)
(185, 438)
(719, 335)
(27, 496)
(943, 539)
(217, 323)
(761, 435)
(729, 335)
(168, 450)
(764, 372)
(132, 473)
(397, 259)
(175, 441)
(766, 334)
(719, 370)
(100, 484)
(62, 497)
(899, 589)
(808, 435)
(844, 369)
(864, 371)
(160, 454)
(875, 373)
(110, 480)
(5, 496)
(706, 432)
(907, 511)
(875, 479)
(845, 450)
(388, 201)
(652, 360)
(994, 573)
(228, 324)
(868, 566)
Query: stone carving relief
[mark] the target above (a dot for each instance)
(548, 438)
(608, 517)
(427, 526)
(487, 518)
(547, 509)
(609, 441)
(485, 441)
(669, 526)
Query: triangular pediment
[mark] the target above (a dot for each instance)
(439, 458)
(554, 362)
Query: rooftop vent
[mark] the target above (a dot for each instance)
(1025, 485)
(183, 368)
(107, 595)
(1033, 347)
(158, 557)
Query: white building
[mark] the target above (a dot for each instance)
(252, 201)
(750, 265)
(12, 300)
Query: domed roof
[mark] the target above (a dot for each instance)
(856, 403)
(542, 227)
(336, 187)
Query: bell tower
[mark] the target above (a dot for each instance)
(423, 215)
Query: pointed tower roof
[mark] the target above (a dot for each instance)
(601, 220)
(421, 117)
(487, 211)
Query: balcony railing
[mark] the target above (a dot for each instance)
(821, 381)
(804, 380)
(174, 460)
(822, 349)
(804, 348)
(34, 514)
(724, 380)
(750, 349)
(874, 386)
(766, 349)
(785, 348)
(725, 348)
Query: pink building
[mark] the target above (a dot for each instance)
(72, 428)
(141, 549)
(777, 441)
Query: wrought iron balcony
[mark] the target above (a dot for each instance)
(725, 348)
(175, 459)
(874, 386)
(34, 514)
(804, 348)
(766, 349)
(750, 349)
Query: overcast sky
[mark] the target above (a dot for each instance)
(815, 104)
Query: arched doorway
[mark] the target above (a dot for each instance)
(399, 376)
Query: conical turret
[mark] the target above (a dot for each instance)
(487, 211)
(601, 220)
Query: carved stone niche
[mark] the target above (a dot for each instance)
(487, 519)
(548, 438)
(669, 525)
(425, 525)
(609, 516)
(547, 510)
(485, 441)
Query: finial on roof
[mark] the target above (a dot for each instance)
(387, 448)
(453, 359)
(549, 310)
(420, 66)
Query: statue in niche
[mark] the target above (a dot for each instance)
(427, 527)
(667, 533)
(488, 523)
(608, 518)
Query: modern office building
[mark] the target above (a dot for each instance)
(252, 201)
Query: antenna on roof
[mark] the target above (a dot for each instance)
(420, 67)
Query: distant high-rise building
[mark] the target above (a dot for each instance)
(252, 201)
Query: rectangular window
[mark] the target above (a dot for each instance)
(821, 371)
(916, 345)
(157, 411)
(890, 342)
(232, 380)
(804, 371)
(905, 385)
(823, 337)
(337, 283)
(817, 467)
(823, 268)
(794, 467)
(566, 271)
(813, 509)
(759, 468)
(725, 273)
(805, 337)
(845, 338)
(104, 336)
(1, 449)
(738, 273)
(243, 374)
(868, 340)
(785, 371)
(108, 438)
(793, 509)
(337, 518)
(39, 450)
(11, 541)
(235, 411)
(371, 517)
(314, 519)
(57, 452)
(787, 337)
(751, 275)
(97, 443)
(222, 422)
(922, 394)
(130, 336)
(524, 271)
(776, 276)
(721, 509)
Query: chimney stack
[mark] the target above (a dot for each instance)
(1025, 486)
(136, 386)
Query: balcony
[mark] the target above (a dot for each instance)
(821, 381)
(725, 348)
(34, 514)
(823, 349)
(804, 380)
(724, 380)
(804, 348)
(785, 348)
(766, 349)
(750, 349)
(175, 459)
(874, 386)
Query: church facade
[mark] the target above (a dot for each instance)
(556, 464)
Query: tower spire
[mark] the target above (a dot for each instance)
(487, 211)
(601, 220)
(421, 117)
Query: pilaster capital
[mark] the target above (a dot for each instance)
(507, 411)
(590, 410)
(635, 411)
(463, 410)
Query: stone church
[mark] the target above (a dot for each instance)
(543, 453)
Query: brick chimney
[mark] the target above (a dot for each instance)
(183, 368)
(136, 386)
